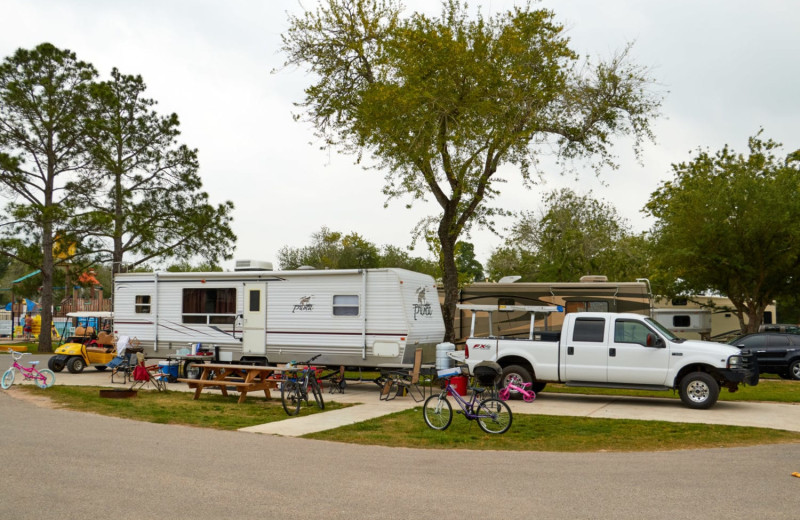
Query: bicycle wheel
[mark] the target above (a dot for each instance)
(437, 412)
(317, 391)
(290, 397)
(45, 379)
(505, 393)
(494, 416)
(8, 379)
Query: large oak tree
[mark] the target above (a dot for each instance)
(728, 223)
(442, 102)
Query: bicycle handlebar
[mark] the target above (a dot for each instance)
(17, 354)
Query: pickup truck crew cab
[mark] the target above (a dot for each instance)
(601, 349)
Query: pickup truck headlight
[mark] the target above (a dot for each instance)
(734, 362)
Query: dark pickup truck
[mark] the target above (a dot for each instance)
(777, 353)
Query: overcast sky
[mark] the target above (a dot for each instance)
(727, 68)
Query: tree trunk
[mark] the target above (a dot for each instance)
(46, 301)
(450, 282)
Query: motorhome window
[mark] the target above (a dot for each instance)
(585, 306)
(681, 321)
(589, 329)
(630, 332)
(142, 305)
(345, 305)
(255, 301)
(767, 317)
(209, 306)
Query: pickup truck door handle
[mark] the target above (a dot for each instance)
(570, 351)
(677, 353)
(612, 352)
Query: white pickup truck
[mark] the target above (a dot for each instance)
(610, 350)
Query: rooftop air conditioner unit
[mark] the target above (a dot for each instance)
(252, 265)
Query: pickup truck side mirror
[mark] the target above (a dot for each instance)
(655, 341)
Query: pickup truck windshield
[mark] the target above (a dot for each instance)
(663, 330)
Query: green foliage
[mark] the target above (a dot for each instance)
(44, 98)
(145, 198)
(728, 223)
(469, 269)
(440, 103)
(575, 235)
(186, 267)
(333, 250)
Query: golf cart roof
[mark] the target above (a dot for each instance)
(91, 314)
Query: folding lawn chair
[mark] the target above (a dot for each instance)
(147, 374)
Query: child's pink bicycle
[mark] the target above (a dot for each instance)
(528, 395)
(43, 379)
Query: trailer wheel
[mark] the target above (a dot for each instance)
(698, 390)
(517, 375)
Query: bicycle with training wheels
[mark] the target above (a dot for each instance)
(493, 415)
(295, 387)
(43, 379)
(523, 389)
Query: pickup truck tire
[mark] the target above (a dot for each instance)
(698, 390)
(794, 369)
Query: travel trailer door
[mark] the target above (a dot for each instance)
(254, 319)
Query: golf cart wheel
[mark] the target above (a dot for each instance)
(75, 365)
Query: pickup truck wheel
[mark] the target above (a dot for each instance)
(517, 375)
(538, 386)
(699, 390)
(794, 369)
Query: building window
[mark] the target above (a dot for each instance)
(142, 305)
(589, 329)
(345, 305)
(209, 306)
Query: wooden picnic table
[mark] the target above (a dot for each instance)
(245, 378)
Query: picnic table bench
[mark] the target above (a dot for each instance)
(245, 378)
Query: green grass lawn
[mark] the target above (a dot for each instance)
(408, 429)
(210, 411)
(552, 433)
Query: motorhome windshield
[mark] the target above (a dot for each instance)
(663, 330)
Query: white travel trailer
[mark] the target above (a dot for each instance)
(354, 317)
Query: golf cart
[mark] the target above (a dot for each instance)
(92, 343)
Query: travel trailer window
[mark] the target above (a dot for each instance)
(681, 320)
(345, 305)
(142, 305)
(587, 307)
(589, 329)
(209, 306)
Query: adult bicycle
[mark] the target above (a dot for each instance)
(493, 415)
(43, 379)
(295, 387)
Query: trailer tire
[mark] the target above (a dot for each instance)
(516, 374)
(698, 390)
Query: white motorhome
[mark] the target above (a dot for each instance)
(353, 317)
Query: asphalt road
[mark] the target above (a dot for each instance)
(68, 465)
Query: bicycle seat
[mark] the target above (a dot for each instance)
(34, 363)
(477, 390)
